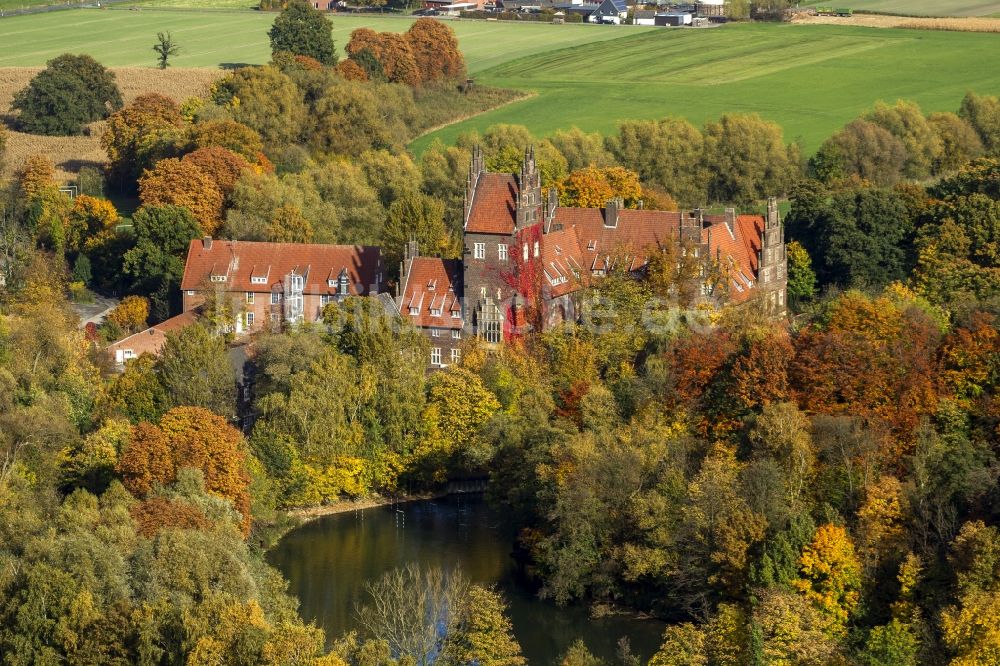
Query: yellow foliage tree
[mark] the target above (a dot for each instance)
(130, 315)
(90, 223)
(831, 575)
(593, 187)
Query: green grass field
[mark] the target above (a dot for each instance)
(120, 37)
(810, 79)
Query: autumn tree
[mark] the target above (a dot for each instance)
(435, 51)
(791, 630)
(149, 128)
(905, 121)
(480, 632)
(593, 187)
(458, 408)
(90, 223)
(267, 101)
(581, 149)
(303, 30)
(174, 182)
(288, 225)
(393, 52)
(831, 575)
(70, 92)
(130, 315)
(189, 437)
(983, 113)
(959, 142)
(222, 165)
(228, 134)
(801, 276)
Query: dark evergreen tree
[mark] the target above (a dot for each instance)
(302, 30)
(71, 92)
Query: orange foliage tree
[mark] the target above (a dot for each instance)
(157, 513)
(593, 187)
(351, 70)
(222, 165)
(875, 357)
(435, 51)
(174, 182)
(189, 437)
(392, 51)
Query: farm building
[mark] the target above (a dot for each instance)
(644, 17)
(711, 8)
(673, 19)
(610, 11)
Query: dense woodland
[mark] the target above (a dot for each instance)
(821, 490)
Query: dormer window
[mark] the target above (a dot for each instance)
(258, 279)
(435, 312)
(218, 278)
(414, 311)
(592, 245)
(431, 284)
(297, 282)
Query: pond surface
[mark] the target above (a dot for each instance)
(329, 560)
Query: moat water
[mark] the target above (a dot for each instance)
(329, 560)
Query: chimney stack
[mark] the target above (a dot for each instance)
(611, 211)
(731, 219)
(206, 242)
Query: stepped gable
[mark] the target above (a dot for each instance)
(433, 285)
(494, 205)
(238, 261)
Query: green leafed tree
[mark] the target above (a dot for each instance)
(70, 92)
(156, 262)
(303, 30)
(165, 47)
(196, 371)
(481, 633)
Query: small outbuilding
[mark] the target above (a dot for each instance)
(673, 19)
(644, 17)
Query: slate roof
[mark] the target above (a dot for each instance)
(237, 261)
(494, 205)
(432, 284)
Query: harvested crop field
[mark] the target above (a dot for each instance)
(963, 24)
(69, 153)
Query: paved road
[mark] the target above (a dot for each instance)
(96, 311)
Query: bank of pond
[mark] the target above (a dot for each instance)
(329, 560)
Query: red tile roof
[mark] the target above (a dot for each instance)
(236, 261)
(152, 339)
(494, 205)
(639, 231)
(563, 265)
(432, 284)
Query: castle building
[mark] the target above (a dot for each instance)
(522, 253)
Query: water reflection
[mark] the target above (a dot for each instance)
(328, 561)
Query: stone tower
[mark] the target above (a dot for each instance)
(773, 263)
(529, 199)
